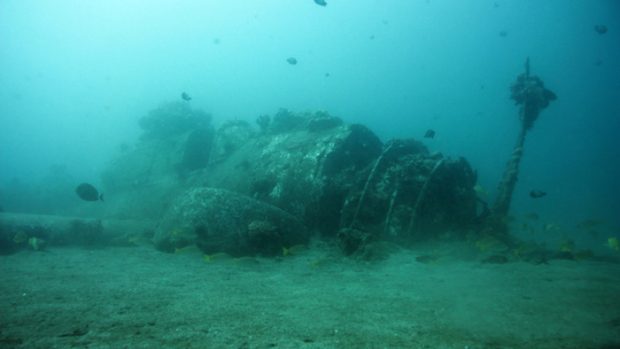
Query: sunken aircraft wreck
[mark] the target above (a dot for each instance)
(244, 189)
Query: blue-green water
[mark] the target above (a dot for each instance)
(75, 76)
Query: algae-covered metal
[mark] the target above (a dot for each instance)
(326, 175)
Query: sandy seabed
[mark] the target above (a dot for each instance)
(142, 298)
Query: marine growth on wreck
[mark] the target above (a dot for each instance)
(330, 179)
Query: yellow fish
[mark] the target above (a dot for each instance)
(293, 250)
(479, 189)
(140, 241)
(187, 249)
(219, 256)
(20, 237)
(613, 243)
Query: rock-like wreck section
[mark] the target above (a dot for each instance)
(246, 190)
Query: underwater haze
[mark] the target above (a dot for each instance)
(75, 77)
(310, 174)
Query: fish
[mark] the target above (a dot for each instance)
(429, 133)
(293, 250)
(20, 237)
(480, 191)
(219, 256)
(37, 244)
(88, 192)
(600, 28)
(140, 241)
(187, 249)
(503, 33)
(536, 194)
(246, 261)
(320, 2)
(291, 60)
(186, 97)
(613, 243)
